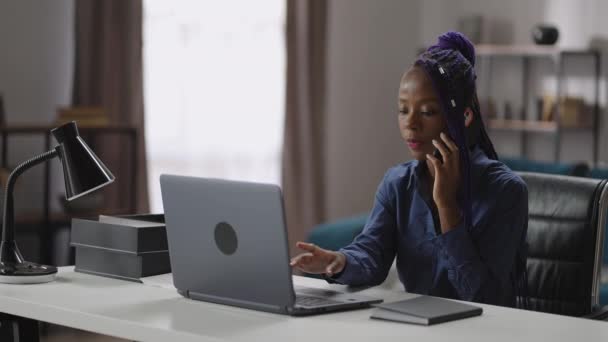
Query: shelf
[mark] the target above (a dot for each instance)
(34, 128)
(523, 125)
(558, 57)
(527, 50)
(530, 126)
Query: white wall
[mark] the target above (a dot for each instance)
(36, 61)
(370, 44)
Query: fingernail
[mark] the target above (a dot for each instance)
(434, 141)
(428, 156)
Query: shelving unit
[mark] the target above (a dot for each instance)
(558, 56)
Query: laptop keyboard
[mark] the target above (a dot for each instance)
(303, 300)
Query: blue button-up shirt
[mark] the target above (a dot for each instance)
(479, 263)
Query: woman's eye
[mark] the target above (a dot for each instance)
(403, 111)
(427, 112)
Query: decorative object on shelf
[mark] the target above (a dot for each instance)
(83, 116)
(548, 108)
(507, 112)
(487, 107)
(545, 34)
(83, 173)
(573, 111)
(540, 102)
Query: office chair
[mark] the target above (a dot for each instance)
(565, 239)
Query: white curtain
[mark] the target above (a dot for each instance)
(214, 81)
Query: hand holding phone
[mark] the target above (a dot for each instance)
(446, 169)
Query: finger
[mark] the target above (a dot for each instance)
(449, 142)
(436, 163)
(331, 269)
(301, 259)
(294, 261)
(309, 247)
(445, 153)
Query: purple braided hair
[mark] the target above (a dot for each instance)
(450, 65)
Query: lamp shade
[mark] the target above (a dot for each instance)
(82, 169)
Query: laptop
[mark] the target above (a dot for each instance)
(228, 245)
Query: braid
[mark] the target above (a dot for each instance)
(483, 140)
(450, 66)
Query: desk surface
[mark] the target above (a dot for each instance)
(149, 313)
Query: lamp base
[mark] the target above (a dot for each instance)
(26, 273)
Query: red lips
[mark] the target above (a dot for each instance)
(414, 144)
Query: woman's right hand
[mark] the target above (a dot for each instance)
(318, 260)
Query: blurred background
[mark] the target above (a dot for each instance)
(301, 93)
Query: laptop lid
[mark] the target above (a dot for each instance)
(227, 242)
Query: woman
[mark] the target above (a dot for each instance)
(455, 217)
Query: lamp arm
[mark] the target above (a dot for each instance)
(8, 230)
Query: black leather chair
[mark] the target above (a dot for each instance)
(565, 239)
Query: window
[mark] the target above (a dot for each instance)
(214, 83)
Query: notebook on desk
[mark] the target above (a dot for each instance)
(425, 310)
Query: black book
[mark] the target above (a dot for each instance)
(425, 310)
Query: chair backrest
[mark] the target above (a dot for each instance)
(565, 238)
(579, 169)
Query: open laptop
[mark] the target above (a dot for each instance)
(228, 245)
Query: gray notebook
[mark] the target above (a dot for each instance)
(425, 310)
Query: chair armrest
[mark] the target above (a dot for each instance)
(600, 314)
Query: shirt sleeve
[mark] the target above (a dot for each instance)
(477, 267)
(370, 256)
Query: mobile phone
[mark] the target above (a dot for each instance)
(436, 152)
(437, 155)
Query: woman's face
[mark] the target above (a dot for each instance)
(420, 116)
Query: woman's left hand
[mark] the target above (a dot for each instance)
(447, 181)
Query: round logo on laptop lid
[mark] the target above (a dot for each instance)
(225, 238)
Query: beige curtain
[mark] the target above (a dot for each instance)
(108, 73)
(304, 146)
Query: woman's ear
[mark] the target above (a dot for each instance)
(468, 117)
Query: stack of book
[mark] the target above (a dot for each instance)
(126, 247)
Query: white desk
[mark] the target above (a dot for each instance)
(147, 313)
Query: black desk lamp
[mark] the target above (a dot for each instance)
(83, 172)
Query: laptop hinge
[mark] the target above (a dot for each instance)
(237, 302)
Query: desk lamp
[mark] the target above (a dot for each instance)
(83, 173)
